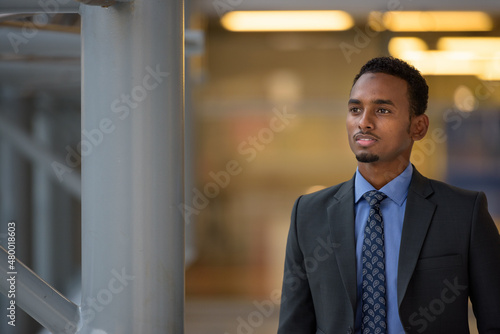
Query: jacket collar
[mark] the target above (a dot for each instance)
(418, 215)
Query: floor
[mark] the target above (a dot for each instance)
(230, 317)
(205, 316)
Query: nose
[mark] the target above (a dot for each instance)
(366, 121)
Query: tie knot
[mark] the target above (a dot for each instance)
(374, 197)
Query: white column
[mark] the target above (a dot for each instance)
(132, 170)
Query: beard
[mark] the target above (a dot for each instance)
(367, 158)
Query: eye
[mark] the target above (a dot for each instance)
(354, 110)
(383, 111)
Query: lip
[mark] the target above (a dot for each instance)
(365, 140)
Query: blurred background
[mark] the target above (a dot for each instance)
(266, 101)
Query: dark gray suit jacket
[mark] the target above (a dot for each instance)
(450, 251)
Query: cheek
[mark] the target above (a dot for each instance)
(403, 139)
(399, 137)
(350, 125)
(348, 128)
(400, 129)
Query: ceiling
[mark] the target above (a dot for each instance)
(357, 8)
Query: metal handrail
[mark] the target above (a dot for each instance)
(28, 291)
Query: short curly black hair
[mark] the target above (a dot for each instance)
(418, 90)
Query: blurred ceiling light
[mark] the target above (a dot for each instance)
(490, 76)
(444, 62)
(456, 56)
(491, 71)
(400, 45)
(437, 21)
(482, 46)
(485, 49)
(308, 20)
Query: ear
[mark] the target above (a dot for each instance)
(419, 127)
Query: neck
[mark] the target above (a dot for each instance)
(379, 174)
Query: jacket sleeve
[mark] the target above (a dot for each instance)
(297, 309)
(484, 266)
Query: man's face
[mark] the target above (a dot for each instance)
(378, 120)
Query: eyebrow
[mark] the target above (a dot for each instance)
(377, 101)
(381, 101)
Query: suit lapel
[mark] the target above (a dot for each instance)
(418, 216)
(341, 219)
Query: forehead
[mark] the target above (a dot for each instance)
(371, 86)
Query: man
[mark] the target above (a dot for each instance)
(390, 251)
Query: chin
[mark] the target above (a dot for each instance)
(367, 157)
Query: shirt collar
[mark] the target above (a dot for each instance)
(396, 190)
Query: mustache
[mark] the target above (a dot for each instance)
(367, 133)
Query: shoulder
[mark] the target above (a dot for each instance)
(448, 189)
(441, 191)
(325, 197)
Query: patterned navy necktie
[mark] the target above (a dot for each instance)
(373, 301)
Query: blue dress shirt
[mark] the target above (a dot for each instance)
(393, 211)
